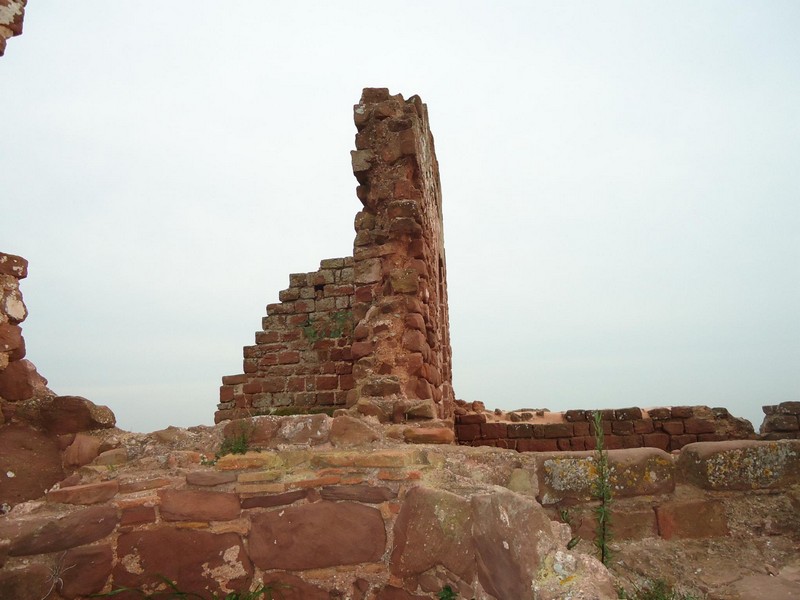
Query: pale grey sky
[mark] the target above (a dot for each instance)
(620, 180)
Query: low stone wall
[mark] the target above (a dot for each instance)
(328, 514)
(667, 429)
(781, 421)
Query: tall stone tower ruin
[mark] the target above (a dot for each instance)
(367, 332)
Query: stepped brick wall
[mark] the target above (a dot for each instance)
(368, 332)
(541, 431)
(12, 13)
(301, 359)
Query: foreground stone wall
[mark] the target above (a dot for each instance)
(321, 512)
(368, 332)
(542, 431)
(12, 13)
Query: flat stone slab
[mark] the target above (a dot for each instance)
(740, 464)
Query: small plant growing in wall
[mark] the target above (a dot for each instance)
(447, 593)
(601, 490)
(335, 326)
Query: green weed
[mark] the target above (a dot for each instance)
(657, 589)
(602, 491)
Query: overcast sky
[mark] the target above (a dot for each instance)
(621, 187)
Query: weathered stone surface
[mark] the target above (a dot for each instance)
(429, 435)
(25, 583)
(358, 493)
(197, 561)
(90, 493)
(85, 570)
(274, 499)
(323, 534)
(115, 456)
(634, 472)
(82, 451)
(391, 592)
(692, 519)
(71, 414)
(740, 464)
(349, 431)
(434, 527)
(198, 505)
(286, 586)
(512, 535)
(42, 535)
(10, 264)
(249, 460)
(17, 381)
(209, 478)
(30, 463)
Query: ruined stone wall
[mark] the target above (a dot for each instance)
(12, 13)
(18, 377)
(390, 356)
(541, 431)
(781, 421)
(327, 518)
(301, 360)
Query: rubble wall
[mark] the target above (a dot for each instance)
(319, 513)
(368, 332)
(12, 13)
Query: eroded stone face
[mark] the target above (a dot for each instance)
(197, 561)
(314, 536)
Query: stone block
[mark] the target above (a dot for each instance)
(789, 408)
(428, 435)
(318, 535)
(696, 425)
(659, 414)
(740, 464)
(90, 568)
(656, 440)
(692, 519)
(673, 427)
(677, 442)
(519, 430)
(682, 412)
(780, 422)
(198, 505)
(368, 494)
(42, 535)
(197, 561)
(468, 432)
(89, 493)
(627, 414)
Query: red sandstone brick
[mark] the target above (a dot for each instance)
(267, 361)
(710, 437)
(361, 349)
(564, 444)
(682, 412)
(632, 441)
(494, 430)
(233, 379)
(643, 426)
(606, 427)
(622, 427)
(572, 416)
(672, 427)
(468, 432)
(226, 393)
(679, 441)
(519, 430)
(287, 358)
(363, 293)
(656, 440)
(695, 425)
(252, 387)
(581, 428)
(536, 445)
(556, 430)
(273, 384)
(250, 365)
(296, 384)
(507, 444)
(327, 382)
(659, 414)
(138, 514)
(627, 414)
(415, 341)
(267, 337)
(695, 519)
(613, 442)
(471, 418)
(327, 368)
